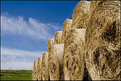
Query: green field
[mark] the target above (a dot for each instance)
(16, 74)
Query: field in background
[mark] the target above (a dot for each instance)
(16, 74)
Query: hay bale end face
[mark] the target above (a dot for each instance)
(39, 71)
(58, 37)
(45, 73)
(102, 54)
(73, 55)
(81, 15)
(55, 62)
(49, 44)
(66, 27)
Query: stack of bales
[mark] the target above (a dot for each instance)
(89, 44)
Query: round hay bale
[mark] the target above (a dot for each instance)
(81, 15)
(49, 44)
(73, 55)
(103, 49)
(34, 74)
(39, 71)
(66, 27)
(58, 36)
(55, 62)
(45, 73)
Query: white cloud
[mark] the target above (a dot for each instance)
(18, 59)
(31, 28)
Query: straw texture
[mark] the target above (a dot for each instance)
(103, 40)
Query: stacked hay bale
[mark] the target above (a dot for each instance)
(39, 71)
(58, 37)
(66, 27)
(55, 62)
(103, 40)
(44, 66)
(34, 74)
(81, 15)
(73, 55)
(49, 44)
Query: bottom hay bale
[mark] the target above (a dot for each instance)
(45, 73)
(73, 55)
(55, 62)
(34, 74)
(39, 73)
(103, 41)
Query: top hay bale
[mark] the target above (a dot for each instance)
(103, 40)
(58, 36)
(66, 27)
(49, 44)
(81, 15)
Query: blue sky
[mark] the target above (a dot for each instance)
(26, 28)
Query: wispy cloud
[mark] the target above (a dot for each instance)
(18, 59)
(31, 28)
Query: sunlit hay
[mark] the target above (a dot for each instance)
(49, 44)
(66, 27)
(34, 74)
(81, 15)
(55, 58)
(45, 73)
(103, 41)
(39, 71)
(58, 37)
(73, 55)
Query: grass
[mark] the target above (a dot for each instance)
(16, 75)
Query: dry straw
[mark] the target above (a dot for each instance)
(73, 55)
(49, 44)
(58, 37)
(34, 74)
(45, 73)
(39, 71)
(55, 62)
(66, 27)
(103, 40)
(81, 15)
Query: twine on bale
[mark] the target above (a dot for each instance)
(55, 62)
(39, 71)
(45, 73)
(81, 15)
(58, 36)
(34, 74)
(73, 55)
(66, 27)
(49, 44)
(103, 49)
